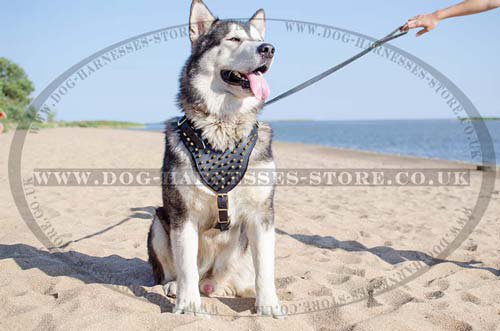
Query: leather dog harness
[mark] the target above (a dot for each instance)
(221, 171)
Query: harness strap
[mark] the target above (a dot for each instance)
(221, 171)
(189, 134)
(393, 35)
(222, 206)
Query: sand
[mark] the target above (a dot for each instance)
(333, 244)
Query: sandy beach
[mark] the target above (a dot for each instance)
(338, 247)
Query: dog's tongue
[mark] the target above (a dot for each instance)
(258, 85)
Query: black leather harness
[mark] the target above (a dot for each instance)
(221, 171)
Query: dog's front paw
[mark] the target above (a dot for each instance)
(269, 308)
(190, 305)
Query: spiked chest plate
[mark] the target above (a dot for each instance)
(221, 171)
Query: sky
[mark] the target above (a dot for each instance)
(48, 37)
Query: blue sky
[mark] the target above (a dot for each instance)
(48, 37)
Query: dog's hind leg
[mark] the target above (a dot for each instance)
(232, 273)
(236, 280)
(160, 257)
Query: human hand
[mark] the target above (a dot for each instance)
(428, 22)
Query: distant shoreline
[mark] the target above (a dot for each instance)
(93, 124)
(483, 118)
(300, 120)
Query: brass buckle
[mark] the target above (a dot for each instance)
(227, 222)
(222, 209)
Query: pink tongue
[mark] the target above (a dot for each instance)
(259, 86)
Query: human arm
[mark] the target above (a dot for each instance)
(468, 7)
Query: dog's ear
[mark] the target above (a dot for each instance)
(258, 21)
(200, 20)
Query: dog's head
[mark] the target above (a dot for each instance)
(225, 71)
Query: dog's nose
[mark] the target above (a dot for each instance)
(266, 50)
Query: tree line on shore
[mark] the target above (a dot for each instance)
(15, 98)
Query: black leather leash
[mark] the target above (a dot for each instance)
(393, 35)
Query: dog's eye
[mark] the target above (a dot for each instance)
(235, 39)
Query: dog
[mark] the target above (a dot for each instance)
(222, 90)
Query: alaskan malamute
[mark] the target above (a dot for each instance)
(222, 90)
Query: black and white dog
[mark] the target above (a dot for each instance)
(222, 90)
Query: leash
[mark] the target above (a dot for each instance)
(391, 36)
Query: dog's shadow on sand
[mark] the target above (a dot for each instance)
(113, 271)
(385, 253)
(135, 274)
